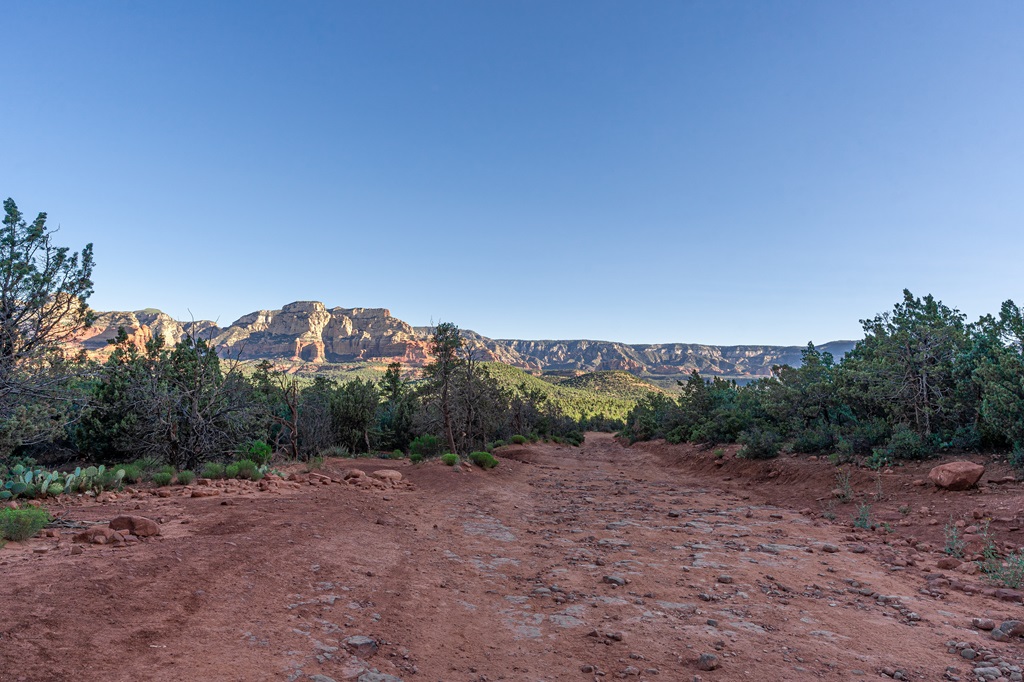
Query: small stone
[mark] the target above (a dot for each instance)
(361, 645)
(375, 676)
(983, 623)
(829, 548)
(969, 654)
(708, 662)
(205, 492)
(616, 580)
(725, 579)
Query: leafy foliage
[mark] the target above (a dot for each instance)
(43, 293)
(920, 381)
(484, 460)
(21, 524)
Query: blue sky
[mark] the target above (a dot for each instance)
(716, 172)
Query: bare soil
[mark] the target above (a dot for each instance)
(510, 574)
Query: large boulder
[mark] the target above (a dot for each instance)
(956, 475)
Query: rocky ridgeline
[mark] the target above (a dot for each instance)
(309, 331)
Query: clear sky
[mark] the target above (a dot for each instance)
(715, 172)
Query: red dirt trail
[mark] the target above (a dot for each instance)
(474, 576)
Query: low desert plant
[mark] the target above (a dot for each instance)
(212, 470)
(1008, 572)
(518, 439)
(335, 451)
(147, 465)
(426, 446)
(415, 457)
(450, 459)
(955, 543)
(133, 473)
(231, 470)
(21, 524)
(863, 517)
(186, 477)
(248, 469)
(162, 478)
(843, 485)
(484, 460)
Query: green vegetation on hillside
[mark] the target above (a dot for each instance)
(583, 399)
(614, 383)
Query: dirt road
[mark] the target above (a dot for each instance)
(561, 564)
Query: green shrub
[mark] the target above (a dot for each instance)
(814, 440)
(484, 460)
(186, 477)
(904, 444)
(133, 473)
(518, 439)
(426, 446)
(248, 469)
(231, 470)
(397, 454)
(212, 470)
(1017, 458)
(759, 444)
(166, 469)
(335, 451)
(256, 451)
(147, 465)
(162, 478)
(415, 457)
(450, 459)
(21, 524)
(494, 445)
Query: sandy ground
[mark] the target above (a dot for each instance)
(511, 574)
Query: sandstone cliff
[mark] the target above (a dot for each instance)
(309, 331)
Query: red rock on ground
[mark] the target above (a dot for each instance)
(138, 526)
(956, 475)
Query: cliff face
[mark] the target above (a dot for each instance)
(309, 331)
(668, 358)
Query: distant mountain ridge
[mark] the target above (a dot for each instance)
(308, 331)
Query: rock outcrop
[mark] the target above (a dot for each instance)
(308, 331)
